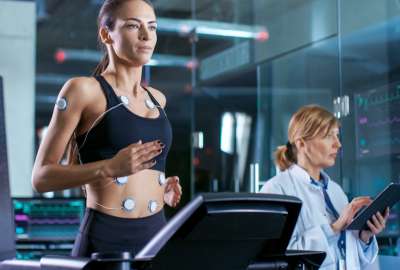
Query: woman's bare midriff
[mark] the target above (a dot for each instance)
(142, 187)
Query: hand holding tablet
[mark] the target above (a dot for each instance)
(386, 199)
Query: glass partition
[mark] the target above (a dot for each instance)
(247, 88)
(371, 133)
(225, 96)
(312, 52)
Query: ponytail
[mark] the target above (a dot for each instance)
(102, 65)
(285, 156)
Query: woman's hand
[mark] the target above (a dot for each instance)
(349, 212)
(376, 225)
(133, 158)
(173, 191)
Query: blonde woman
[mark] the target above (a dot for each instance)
(313, 146)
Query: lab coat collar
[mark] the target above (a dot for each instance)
(303, 176)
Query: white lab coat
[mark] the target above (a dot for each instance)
(313, 230)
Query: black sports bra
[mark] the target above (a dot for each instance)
(119, 127)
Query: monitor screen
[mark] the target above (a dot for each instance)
(238, 226)
(377, 116)
(7, 243)
(48, 219)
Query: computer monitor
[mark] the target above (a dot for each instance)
(376, 114)
(48, 219)
(7, 243)
(223, 231)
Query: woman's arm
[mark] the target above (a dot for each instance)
(367, 246)
(48, 174)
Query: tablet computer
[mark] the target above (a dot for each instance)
(387, 198)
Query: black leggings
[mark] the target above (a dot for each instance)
(100, 232)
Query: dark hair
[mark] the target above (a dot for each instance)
(106, 18)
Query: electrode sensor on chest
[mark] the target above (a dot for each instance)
(127, 204)
(148, 102)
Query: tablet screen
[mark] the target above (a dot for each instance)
(387, 198)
